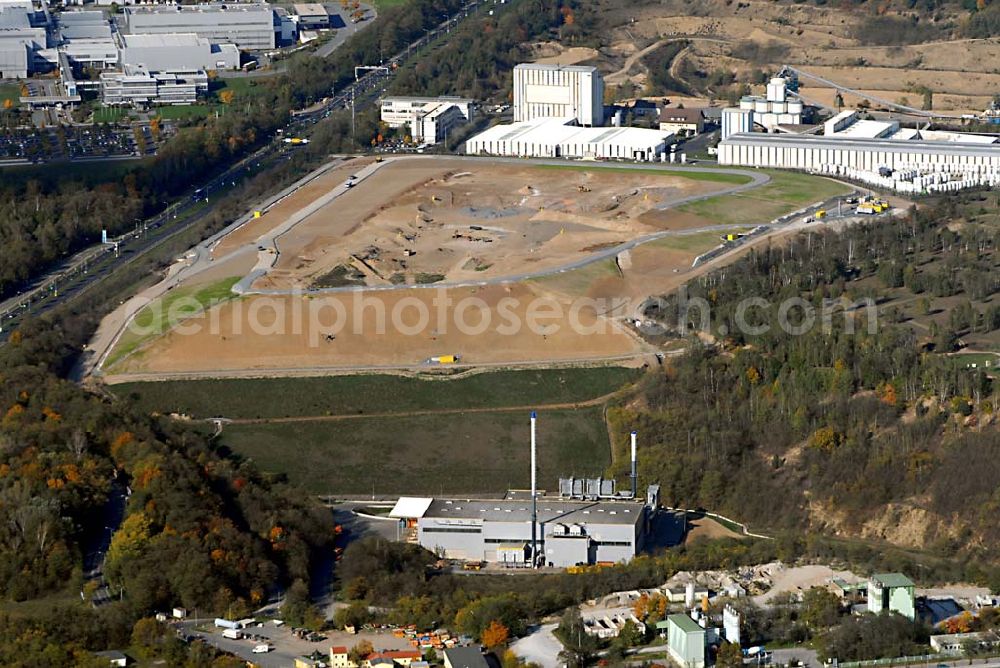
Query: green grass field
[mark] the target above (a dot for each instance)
(155, 319)
(183, 112)
(109, 114)
(786, 192)
(694, 243)
(468, 454)
(715, 177)
(346, 395)
(981, 360)
(10, 92)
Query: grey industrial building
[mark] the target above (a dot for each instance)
(20, 36)
(585, 526)
(248, 26)
(179, 52)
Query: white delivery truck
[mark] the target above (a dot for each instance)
(232, 634)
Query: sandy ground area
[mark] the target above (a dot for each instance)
(819, 40)
(553, 53)
(707, 528)
(459, 220)
(288, 206)
(481, 325)
(801, 578)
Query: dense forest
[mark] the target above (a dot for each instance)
(844, 427)
(199, 530)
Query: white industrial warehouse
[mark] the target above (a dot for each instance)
(877, 152)
(558, 138)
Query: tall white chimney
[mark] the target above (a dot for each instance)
(534, 493)
(635, 471)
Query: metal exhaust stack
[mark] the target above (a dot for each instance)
(534, 504)
(635, 472)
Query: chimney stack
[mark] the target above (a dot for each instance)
(534, 504)
(635, 472)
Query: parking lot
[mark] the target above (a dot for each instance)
(66, 142)
(286, 646)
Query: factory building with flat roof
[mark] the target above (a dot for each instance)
(178, 52)
(558, 91)
(248, 26)
(904, 165)
(560, 138)
(571, 530)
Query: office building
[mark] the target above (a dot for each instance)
(178, 52)
(558, 91)
(312, 16)
(682, 122)
(433, 124)
(138, 87)
(399, 110)
(248, 26)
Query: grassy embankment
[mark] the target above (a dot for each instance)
(346, 434)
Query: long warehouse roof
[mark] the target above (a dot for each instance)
(895, 145)
(569, 511)
(550, 131)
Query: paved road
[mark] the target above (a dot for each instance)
(539, 646)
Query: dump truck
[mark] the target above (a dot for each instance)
(444, 359)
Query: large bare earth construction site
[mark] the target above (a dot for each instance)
(495, 262)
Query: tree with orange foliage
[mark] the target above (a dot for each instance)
(495, 635)
(959, 624)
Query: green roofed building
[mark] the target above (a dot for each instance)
(892, 592)
(685, 641)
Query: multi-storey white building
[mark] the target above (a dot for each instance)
(558, 91)
(399, 110)
(139, 87)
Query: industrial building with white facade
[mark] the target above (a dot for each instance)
(559, 138)
(559, 113)
(879, 153)
(248, 26)
(571, 529)
(558, 91)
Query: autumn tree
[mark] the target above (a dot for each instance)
(360, 652)
(495, 635)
